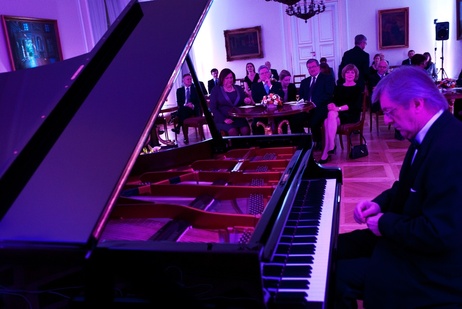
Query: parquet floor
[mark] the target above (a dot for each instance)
(363, 178)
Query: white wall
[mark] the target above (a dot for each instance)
(362, 18)
(355, 16)
(209, 47)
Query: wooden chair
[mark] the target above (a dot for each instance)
(348, 128)
(197, 123)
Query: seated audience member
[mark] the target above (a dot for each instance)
(382, 57)
(430, 66)
(224, 97)
(407, 61)
(375, 63)
(214, 81)
(325, 68)
(346, 108)
(188, 101)
(419, 60)
(290, 94)
(409, 251)
(274, 72)
(259, 90)
(373, 81)
(250, 78)
(319, 89)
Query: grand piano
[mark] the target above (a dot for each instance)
(87, 218)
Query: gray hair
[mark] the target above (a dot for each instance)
(408, 83)
(360, 38)
(262, 67)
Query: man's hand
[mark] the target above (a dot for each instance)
(373, 224)
(364, 210)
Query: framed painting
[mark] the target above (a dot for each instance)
(459, 19)
(31, 42)
(393, 28)
(244, 43)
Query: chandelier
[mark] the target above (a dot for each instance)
(304, 11)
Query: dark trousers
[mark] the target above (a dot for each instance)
(352, 258)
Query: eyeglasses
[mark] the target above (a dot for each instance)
(389, 113)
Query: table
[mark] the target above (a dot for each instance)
(259, 111)
(452, 95)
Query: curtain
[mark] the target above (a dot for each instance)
(102, 15)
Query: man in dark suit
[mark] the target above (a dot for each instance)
(214, 81)
(317, 88)
(359, 58)
(188, 101)
(262, 88)
(410, 254)
(407, 61)
(274, 73)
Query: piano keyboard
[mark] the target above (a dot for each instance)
(298, 270)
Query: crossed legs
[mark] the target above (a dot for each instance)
(330, 129)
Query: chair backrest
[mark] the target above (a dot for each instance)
(298, 79)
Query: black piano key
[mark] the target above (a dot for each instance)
(292, 259)
(300, 231)
(297, 271)
(297, 239)
(274, 284)
(272, 270)
(295, 249)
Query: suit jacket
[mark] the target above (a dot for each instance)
(417, 260)
(360, 59)
(274, 74)
(374, 79)
(210, 85)
(291, 93)
(181, 98)
(323, 90)
(406, 62)
(258, 91)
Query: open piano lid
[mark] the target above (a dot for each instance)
(70, 167)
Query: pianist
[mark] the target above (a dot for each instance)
(410, 254)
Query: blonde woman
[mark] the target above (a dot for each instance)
(346, 108)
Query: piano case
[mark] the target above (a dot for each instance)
(83, 213)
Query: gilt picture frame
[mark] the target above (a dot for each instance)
(31, 42)
(243, 43)
(393, 27)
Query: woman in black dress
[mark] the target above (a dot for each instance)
(346, 108)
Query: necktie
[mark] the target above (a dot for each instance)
(216, 82)
(188, 95)
(313, 81)
(267, 88)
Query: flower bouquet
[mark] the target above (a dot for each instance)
(271, 101)
(447, 83)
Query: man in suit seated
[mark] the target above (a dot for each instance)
(262, 88)
(319, 89)
(214, 81)
(408, 253)
(274, 73)
(407, 61)
(188, 101)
